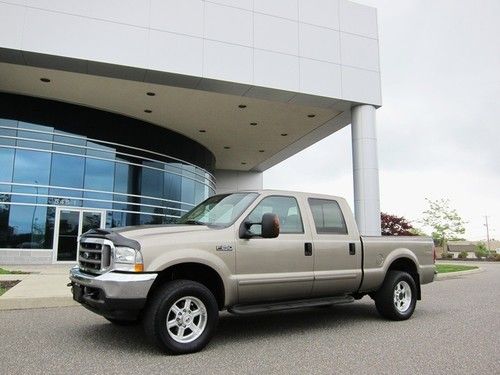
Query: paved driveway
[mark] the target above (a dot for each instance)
(455, 330)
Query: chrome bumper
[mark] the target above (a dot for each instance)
(115, 285)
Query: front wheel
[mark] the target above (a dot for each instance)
(397, 298)
(181, 317)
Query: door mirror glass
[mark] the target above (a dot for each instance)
(270, 226)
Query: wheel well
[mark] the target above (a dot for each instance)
(201, 273)
(407, 265)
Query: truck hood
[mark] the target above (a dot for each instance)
(145, 231)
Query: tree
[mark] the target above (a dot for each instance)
(393, 225)
(444, 221)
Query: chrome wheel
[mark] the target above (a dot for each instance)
(186, 319)
(402, 296)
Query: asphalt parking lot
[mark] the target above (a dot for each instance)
(455, 330)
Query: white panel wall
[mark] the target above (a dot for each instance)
(229, 181)
(319, 47)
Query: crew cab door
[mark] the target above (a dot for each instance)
(337, 251)
(275, 268)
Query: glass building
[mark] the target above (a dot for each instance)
(65, 169)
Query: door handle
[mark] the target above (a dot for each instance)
(308, 249)
(352, 249)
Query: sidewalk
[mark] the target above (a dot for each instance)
(45, 286)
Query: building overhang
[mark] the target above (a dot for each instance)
(272, 126)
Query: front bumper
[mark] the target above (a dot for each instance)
(113, 295)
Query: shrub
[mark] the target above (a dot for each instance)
(447, 255)
(481, 251)
(494, 257)
(463, 254)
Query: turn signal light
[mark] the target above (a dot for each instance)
(139, 267)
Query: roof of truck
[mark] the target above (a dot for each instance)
(288, 192)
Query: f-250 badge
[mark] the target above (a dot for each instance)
(224, 248)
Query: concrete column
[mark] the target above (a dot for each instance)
(365, 170)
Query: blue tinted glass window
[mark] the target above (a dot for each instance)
(152, 180)
(99, 175)
(27, 227)
(32, 167)
(5, 230)
(61, 138)
(38, 134)
(100, 151)
(67, 171)
(5, 133)
(187, 194)
(6, 166)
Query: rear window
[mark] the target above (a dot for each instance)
(328, 217)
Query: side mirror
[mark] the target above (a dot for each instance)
(270, 227)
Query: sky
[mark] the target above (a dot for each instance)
(439, 126)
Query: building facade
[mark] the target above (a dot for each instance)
(132, 112)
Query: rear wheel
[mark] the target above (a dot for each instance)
(181, 317)
(397, 298)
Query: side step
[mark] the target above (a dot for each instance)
(289, 305)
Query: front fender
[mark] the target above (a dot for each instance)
(174, 257)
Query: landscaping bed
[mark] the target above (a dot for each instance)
(6, 285)
(7, 272)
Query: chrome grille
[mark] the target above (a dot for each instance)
(95, 255)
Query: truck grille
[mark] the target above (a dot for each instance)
(95, 255)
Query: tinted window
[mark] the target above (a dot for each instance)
(328, 217)
(219, 209)
(287, 210)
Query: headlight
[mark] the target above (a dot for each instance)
(128, 259)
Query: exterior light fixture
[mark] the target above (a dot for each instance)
(148, 111)
(150, 93)
(226, 147)
(45, 80)
(284, 134)
(242, 106)
(311, 115)
(253, 123)
(202, 131)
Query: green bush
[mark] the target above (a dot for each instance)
(481, 251)
(463, 254)
(447, 255)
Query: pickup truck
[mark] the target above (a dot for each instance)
(245, 252)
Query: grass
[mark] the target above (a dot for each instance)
(7, 272)
(445, 268)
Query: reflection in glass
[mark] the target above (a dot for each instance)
(28, 203)
(67, 171)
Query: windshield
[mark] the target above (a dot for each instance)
(219, 210)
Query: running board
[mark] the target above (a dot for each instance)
(289, 305)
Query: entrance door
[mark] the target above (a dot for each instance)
(70, 224)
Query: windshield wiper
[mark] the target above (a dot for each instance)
(194, 222)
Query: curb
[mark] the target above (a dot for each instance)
(7, 303)
(450, 275)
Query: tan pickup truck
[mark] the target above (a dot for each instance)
(245, 252)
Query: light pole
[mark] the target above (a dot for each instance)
(487, 233)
